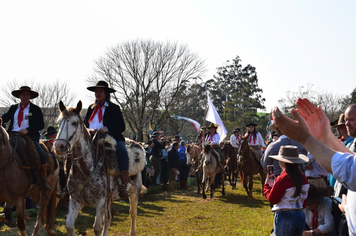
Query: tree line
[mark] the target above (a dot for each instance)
(155, 80)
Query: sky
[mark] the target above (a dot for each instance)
(291, 43)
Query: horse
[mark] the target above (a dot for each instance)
(193, 152)
(231, 163)
(92, 181)
(16, 183)
(249, 166)
(211, 169)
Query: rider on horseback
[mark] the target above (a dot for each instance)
(106, 117)
(27, 119)
(213, 138)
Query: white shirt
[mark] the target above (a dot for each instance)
(24, 123)
(256, 141)
(214, 140)
(235, 141)
(94, 123)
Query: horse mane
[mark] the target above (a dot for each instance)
(207, 148)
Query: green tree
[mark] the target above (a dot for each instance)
(236, 94)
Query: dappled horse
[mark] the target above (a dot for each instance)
(16, 182)
(249, 166)
(193, 152)
(231, 163)
(213, 174)
(91, 181)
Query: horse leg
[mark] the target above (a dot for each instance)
(135, 190)
(20, 211)
(198, 182)
(203, 185)
(73, 210)
(250, 186)
(101, 210)
(263, 179)
(223, 183)
(41, 213)
(212, 185)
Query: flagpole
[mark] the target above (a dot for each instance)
(206, 101)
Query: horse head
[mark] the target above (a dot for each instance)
(71, 128)
(207, 152)
(244, 148)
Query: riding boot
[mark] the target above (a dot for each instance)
(123, 186)
(8, 217)
(171, 186)
(44, 181)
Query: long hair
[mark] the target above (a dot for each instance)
(107, 99)
(254, 132)
(296, 177)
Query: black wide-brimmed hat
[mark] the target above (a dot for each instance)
(202, 128)
(315, 194)
(251, 123)
(50, 131)
(17, 93)
(237, 130)
(101, 84)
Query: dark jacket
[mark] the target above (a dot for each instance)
(112, 120)
(173, 159)
(157, 148)
(35, 120)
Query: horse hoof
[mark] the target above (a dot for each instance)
(204, 196)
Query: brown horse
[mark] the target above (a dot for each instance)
(16, 184)
(231, 163)
(92, 181)
(249, 166)
(193, 152)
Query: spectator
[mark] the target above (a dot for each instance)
(173, 164)
(183, 167)
(318, 213)
(288, 193)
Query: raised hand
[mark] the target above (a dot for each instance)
(297, 130)
(316, 119)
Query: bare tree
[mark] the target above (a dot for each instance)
(48, 99)
(148, 77)
(331, 103)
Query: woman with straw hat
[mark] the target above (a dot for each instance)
(255, 139)
(288, 193)
(106, 117)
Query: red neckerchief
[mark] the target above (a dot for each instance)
(20, 115)
(315, 223)
(211, 137)
(251, 135)
(100, 114)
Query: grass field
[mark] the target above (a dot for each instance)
(180, 213)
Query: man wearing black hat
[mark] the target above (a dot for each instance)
(27, 119)
(106, 117)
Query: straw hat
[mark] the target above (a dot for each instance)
(17, 93)
(290, 154)
(273, 127)
(340, 121)
(101, 84)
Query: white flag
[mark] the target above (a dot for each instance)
(214, 117)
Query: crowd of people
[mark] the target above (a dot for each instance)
(306, 164)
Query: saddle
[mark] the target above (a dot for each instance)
(29, 158)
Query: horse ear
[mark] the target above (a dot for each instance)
(61, 106)
(78, 109)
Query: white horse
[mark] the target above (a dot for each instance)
(90, 180)
(211, 169)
